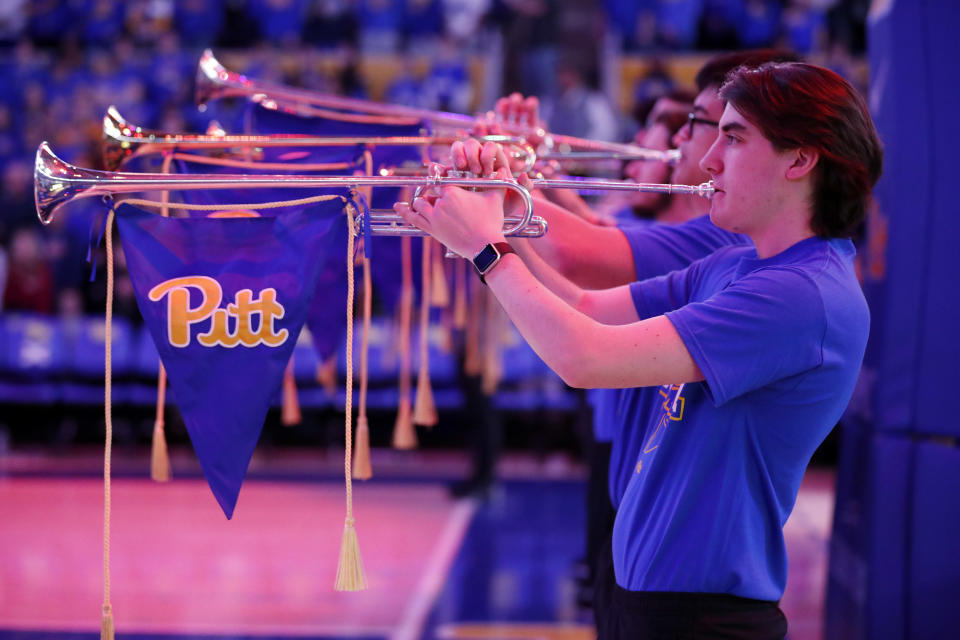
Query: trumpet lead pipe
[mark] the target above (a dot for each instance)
(704, 190)
(670, 156)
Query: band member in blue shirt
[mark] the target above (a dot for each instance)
(758, 347)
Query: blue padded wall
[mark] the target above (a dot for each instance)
(893, 564)
(868, 560)
(933, 587)
(913, 293)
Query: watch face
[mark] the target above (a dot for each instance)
(485, 258)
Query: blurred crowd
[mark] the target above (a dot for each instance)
(62, 62)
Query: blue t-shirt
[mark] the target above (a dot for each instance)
(605, 402)
(780, 342)
(657, 249)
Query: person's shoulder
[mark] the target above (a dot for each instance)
(820, 273)
(703, 229)
(729, 254)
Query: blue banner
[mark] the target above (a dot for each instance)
(224, 300)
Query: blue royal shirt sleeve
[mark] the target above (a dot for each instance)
(656, 296)
(764, 327)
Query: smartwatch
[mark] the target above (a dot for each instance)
(489, 256)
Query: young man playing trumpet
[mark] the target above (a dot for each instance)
(601, 257)
(755, 348)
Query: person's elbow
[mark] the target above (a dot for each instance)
(588, 303)
(577, 369)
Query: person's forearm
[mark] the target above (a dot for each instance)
(559, 284)
(570, 200)
(590, 256)
(583, 352)
(606, 306)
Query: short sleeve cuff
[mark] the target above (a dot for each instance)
(714, 386)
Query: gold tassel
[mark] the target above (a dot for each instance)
(361, 451)
(439, 289)
(362, 469)
(350, 567)
(350, 576)
(404, 435)
(159, 457)
(106, 623)
(290, 404)
(460, 295)
(424, 409)
(327, 375)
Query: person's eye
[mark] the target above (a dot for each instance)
(732, 139)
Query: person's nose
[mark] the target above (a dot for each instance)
(711, 161)
(682, 135)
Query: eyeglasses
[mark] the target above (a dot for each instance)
(692, 119)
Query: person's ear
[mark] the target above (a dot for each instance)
(802, 163)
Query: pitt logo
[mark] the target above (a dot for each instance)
(181, 316)
(672, 411)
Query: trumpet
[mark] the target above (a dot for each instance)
(123, 141)
(215, 81)
(57, 182)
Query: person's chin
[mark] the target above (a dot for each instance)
(717, 211)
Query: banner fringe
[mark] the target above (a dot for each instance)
(350, 567)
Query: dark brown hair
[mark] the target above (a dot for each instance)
(715, 70)
(802, 105)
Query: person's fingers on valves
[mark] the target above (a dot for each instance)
(422, 206)
(410, 216)
(491, 158)
(524, 181)
(458, 155)
(518, 107)
(531, 107)
(439, 168)
(503, 109)
(500, 158)
(472, 148)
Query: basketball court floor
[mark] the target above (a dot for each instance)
(437, 568)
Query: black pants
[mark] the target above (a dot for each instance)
(600, 513)
(604, 582)
(657, 615)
